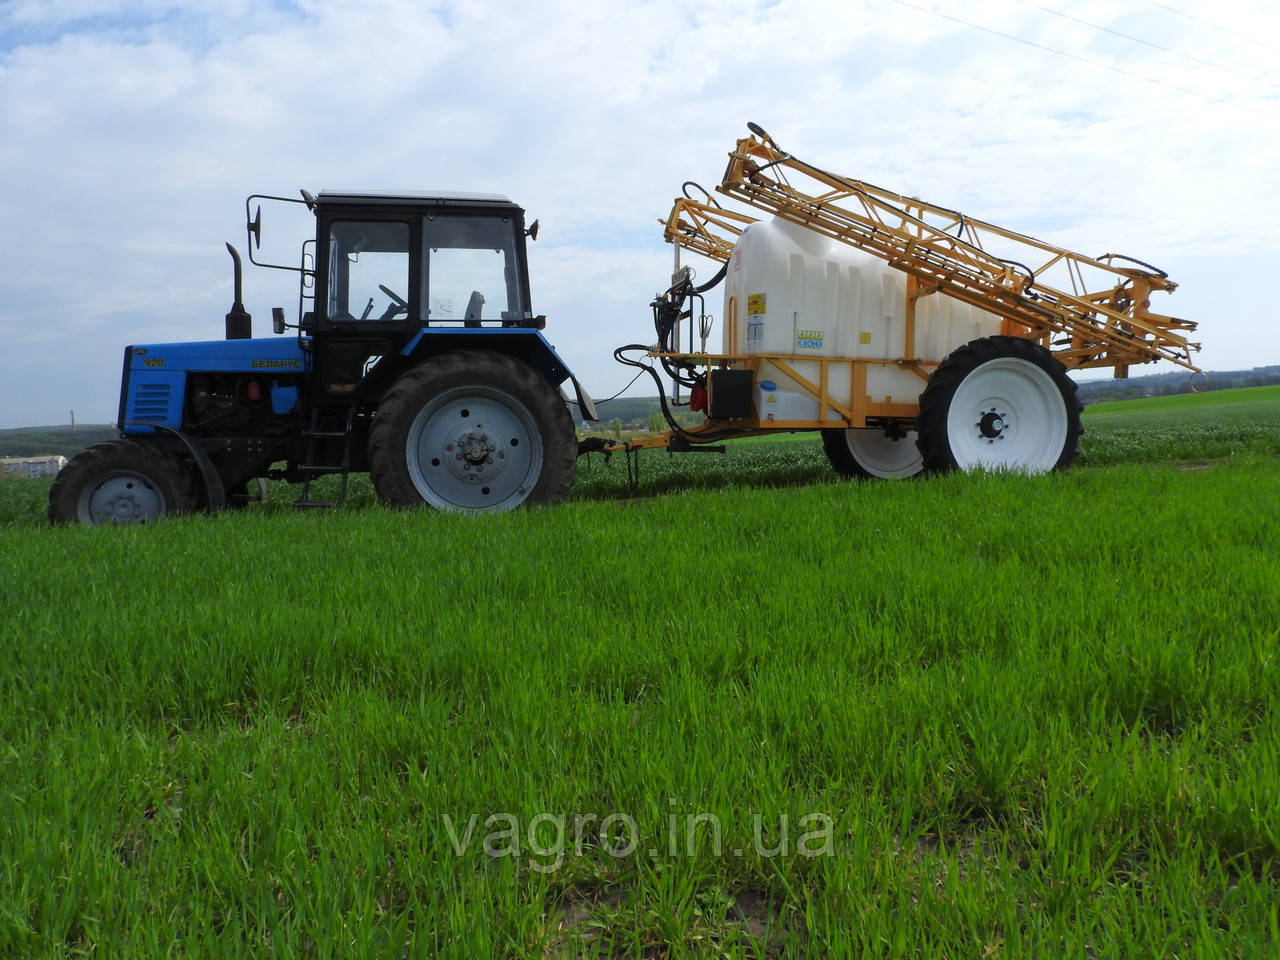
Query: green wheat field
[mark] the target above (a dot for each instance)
(746, 709)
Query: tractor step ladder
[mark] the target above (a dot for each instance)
(1094, 313)
(312, 468)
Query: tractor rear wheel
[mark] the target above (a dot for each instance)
(999, 403)
(120, 481)
(472, 432)
(872, 452)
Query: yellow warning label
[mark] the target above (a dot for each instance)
(772, 399)
(755, 304)
(864, 337)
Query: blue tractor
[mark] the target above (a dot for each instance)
(418, 359)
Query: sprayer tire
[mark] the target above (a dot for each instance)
(999, 403)
(870, 453)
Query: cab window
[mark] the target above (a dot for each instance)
(469, 271)
(368, 271)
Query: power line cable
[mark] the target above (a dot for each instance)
(1145, 43)
(1061, 53)
(1213, 26)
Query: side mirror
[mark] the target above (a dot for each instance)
(277, 319)
(254, 228)
(532, 232)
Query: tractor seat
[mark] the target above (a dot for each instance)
(475, 308)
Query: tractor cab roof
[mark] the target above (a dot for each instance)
(429, 198)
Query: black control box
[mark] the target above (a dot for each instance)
(730, 394)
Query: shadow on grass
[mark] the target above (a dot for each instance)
(786, 463)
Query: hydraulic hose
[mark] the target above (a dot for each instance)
(662, 398)
(724, 268)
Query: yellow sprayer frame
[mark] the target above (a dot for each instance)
(1094, 323)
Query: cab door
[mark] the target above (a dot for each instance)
(367, 304)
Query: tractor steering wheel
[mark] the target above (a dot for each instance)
(398, 303)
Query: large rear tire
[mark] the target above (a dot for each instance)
(120, 481)
(873, 452)
(999, 403)
(472, 432)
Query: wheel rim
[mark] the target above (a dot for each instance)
(121, 498)
(884, 456)
(474, 448)
(1007, 414)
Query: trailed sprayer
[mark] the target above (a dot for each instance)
(912, 336)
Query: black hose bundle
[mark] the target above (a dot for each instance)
(697, 380)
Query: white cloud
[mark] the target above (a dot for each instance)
(131, 132)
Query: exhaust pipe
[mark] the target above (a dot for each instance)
(239, 322)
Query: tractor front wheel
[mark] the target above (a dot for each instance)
(120, 481)
(999, 403)
(472, 432)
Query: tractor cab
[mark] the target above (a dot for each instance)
(404, 262)
(385, 269)
(391, 267)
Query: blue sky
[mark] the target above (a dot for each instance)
(130, 134)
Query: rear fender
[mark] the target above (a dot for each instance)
(528, 345)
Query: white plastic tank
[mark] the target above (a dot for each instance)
(796, 293)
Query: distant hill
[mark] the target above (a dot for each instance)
(49, 441)
(1177, 381)
(628, 408)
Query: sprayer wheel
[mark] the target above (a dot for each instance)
(999, 403)
(872, 452)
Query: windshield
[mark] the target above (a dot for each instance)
(469, 271)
